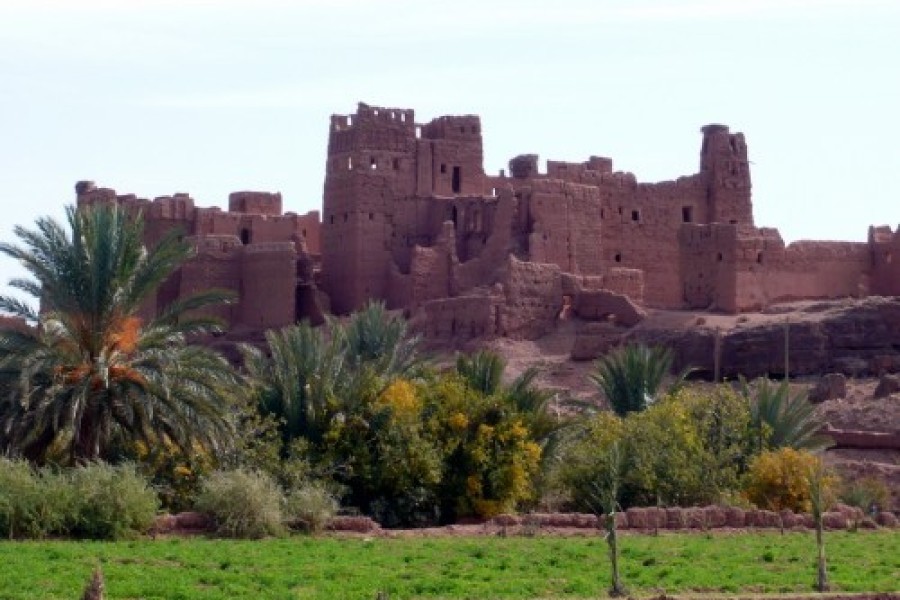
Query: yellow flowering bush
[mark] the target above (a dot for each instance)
(778, 480)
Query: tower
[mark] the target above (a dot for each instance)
(371, 162)
(724, 165)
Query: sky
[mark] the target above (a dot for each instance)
(209, 97)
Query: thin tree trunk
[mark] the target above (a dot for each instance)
(822, 570)
(617, 589)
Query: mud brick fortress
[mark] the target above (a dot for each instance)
(410, 217)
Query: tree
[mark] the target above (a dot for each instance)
(818, 482)
(92, 372)
(605, 504)
(631, 376)
(375, 338)
(298, 380)
(781, 420)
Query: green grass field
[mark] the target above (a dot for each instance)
(489, 567)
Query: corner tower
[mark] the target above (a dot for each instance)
(724, 165)
(371, 163)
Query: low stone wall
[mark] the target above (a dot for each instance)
(703, 518)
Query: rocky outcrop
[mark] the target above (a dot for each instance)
(830, 387)
(850, 337)
(887, 385)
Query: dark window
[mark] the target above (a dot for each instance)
(245, 236)
(396, 164)
(457, 180)
(455, 216)
(443, 168)
(618, 257)
(687, 214)
(635, 215)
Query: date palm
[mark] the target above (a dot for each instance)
(781, 419)
(631, 377)
(91, 371)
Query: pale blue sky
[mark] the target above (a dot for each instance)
(211, 97)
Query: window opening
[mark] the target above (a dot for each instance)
(457, 180)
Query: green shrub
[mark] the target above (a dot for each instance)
(96, 501)
(111, 502)
(867, 493)
(32, 504)
(243, 504)
(310, 506)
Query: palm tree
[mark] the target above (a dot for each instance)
(91, 372)
(817, 482)
(482, 371)
(781, 420)
(605, 503)
(631, 376)
(299, 379)
(375, 338)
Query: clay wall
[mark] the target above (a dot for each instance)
(463, 318)
(640, 228)
(489, 266)
(563, 225)
(533, 299)
(268, 285)
(456, 155)
(885, 252)
(257, 203)
(766, 271)
(356, 237)
(708, 262)
(217, 265)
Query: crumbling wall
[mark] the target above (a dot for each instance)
(767, 272)
(884, 246)
(533, 299)
(459, 318)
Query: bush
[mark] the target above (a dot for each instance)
(243, 504)
(111, 502)
(97, 501)
(310, 506)
(779, 480)
(869, 493)
(32, 504)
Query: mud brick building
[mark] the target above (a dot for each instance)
(410, 217)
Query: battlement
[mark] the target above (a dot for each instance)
(374, 116)
(464, 127)
(259, 203)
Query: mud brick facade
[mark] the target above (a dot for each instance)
(410, 217)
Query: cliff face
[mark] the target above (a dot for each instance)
(854, 337)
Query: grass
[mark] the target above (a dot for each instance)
(489, 567)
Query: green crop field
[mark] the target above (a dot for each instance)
(447, 567)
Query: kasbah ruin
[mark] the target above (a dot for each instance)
(411, 218)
